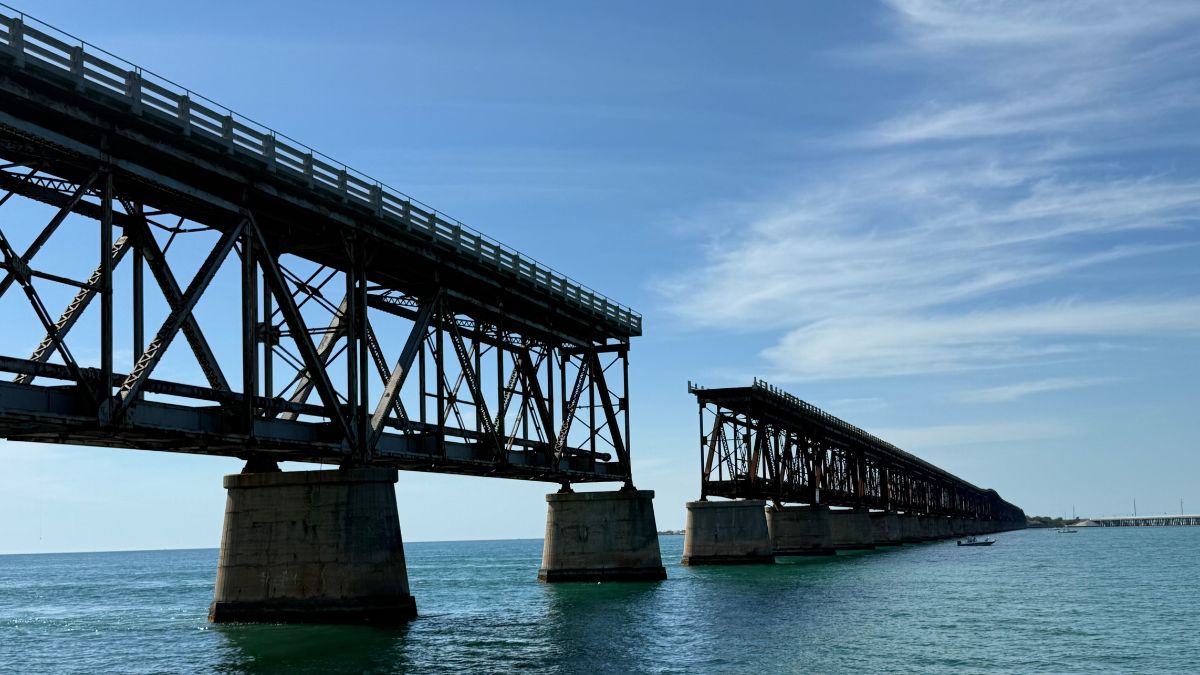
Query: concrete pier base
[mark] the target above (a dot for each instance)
(312, 547)
(911, 531)
(941, 527)
(927, 527)
(601, 536)
(885, 529)
(851, 530)
(800, 530)
(727, 533)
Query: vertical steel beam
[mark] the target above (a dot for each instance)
(249, 331)
(267, 337)
(139, 301)
(353, 345)
(106, 287)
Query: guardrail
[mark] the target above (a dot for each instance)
(45, 47)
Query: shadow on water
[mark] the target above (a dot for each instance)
(578, 614)
(280, 648)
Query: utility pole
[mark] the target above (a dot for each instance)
(1135, 507)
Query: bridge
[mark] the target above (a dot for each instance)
(362, 328)
(760, 445)
(318, 315)
(1141, 521)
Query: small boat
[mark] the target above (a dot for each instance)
(1067, 530)
(972, 541)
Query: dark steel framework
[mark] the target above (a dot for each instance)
(759, 442)
(372, 330)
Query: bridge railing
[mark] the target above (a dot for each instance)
(46, 48)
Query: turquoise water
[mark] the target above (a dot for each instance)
(1113, 600)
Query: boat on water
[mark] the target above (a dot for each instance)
(1066, 530)
(973, 541)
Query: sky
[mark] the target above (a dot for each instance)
(970, 228)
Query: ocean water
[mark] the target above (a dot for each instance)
(1124, 600)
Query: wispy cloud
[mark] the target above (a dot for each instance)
(1018, 390)
(976, 226)
(863, 345)
(965, 435)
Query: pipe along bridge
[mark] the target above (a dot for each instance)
(760, 445)
(312, 314)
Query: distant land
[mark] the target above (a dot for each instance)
(1048, 521)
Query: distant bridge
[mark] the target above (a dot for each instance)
(760, 445)
(1140, 521)
(759, 442)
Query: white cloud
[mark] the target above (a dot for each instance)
(964, 230)
(961, 435)
(1017, 390)
(863, 345)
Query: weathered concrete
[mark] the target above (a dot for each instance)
(911, 531)
(851, 530)
(800, 530)
(941, 527)
(727, 533)
(928, 525)
(958, 526)
(885, 528)
(312, 547)
(601, 536)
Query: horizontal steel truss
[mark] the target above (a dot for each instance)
(744, 456)
(540, 409)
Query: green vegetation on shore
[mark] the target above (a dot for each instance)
(1048, 521)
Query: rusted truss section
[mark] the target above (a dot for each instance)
(162, 289)
(759, 442)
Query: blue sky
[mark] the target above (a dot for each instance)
(970, 228)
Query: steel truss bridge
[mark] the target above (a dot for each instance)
(361, 326)
(760, 442)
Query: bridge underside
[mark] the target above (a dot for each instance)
(38, 414)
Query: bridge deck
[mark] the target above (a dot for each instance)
(200, 157)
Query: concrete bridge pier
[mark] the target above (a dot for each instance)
(727, 533)
(800, 530)
(312, 547)
(927, 526)
(942, 527)
(851, 530)
(958, 526)
(601, 536)
(885, 528)
(911, 531)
